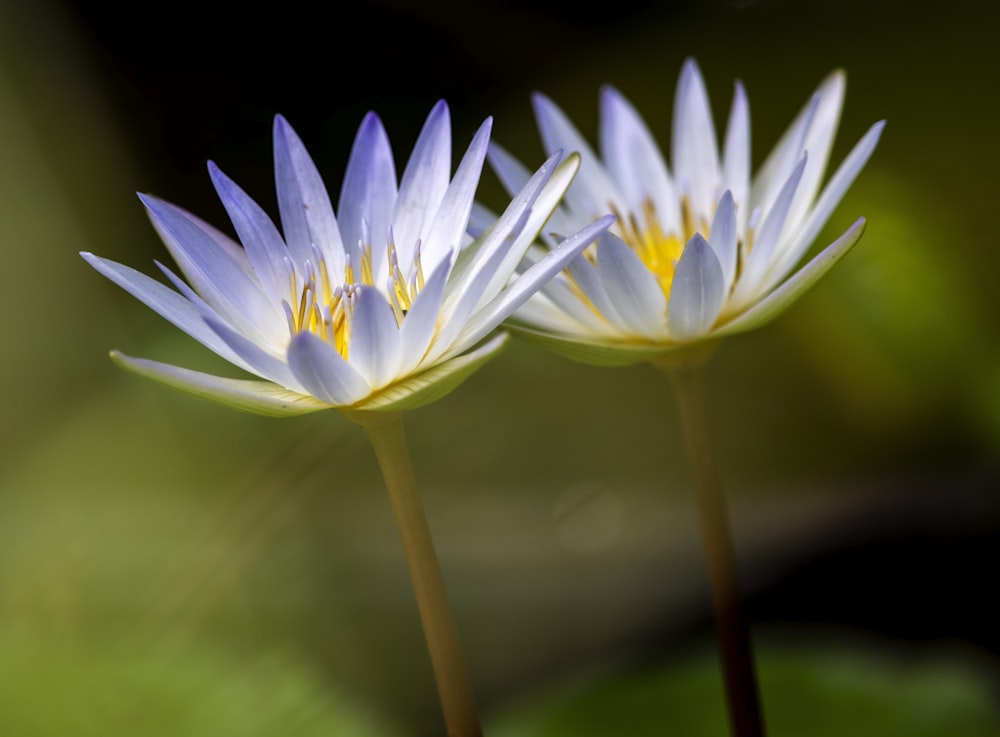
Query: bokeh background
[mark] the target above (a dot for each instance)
(168, 567)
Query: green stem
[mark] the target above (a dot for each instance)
(387, 437)
(735, 650)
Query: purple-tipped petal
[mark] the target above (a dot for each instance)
(694, 150)
(724, 238)
(303, 201)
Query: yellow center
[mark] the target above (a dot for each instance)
(327, 311)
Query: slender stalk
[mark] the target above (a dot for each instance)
(387, 437)
(735, 650)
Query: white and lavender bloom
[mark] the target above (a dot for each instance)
(699, 251)
(384, 306)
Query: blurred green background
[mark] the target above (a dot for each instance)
(170, 567)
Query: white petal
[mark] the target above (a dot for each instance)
(828, 200)
(303, 201)
(262, 241)
(527, 284)
(261, 362)
(592, 191)
(321, 370)
(724, 237)
(781, 298)
(166, 303)
(782, 160)
(424, 183)
(445, 236)
(259, 397)
(694, 150)
(216, 276)
(369, 191)
(760, 259)
(421, 321)
(697, 292)
(631, 287)
(736, 156)
(634, 160)
(375, 344)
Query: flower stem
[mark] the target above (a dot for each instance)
(389, 441)
(735, 651)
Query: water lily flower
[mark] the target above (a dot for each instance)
(381, 307)
(698, 252)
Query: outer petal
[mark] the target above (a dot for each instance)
(592, 191)
(259, 397)
(781, 298)
(166, 303)
(445, 236)
(694, 151)
(591, 350)
(216, 276)
(369, 191)
(634, 160)
(423, 185)
(697, 292)
(431, 385)
(321, 370)
(306, 213)
(631, 287)
(262, 241)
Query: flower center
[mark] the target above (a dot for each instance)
(317, 306)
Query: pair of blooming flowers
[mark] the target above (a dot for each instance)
(386, 304)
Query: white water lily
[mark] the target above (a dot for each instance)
(699, 252)
(382, 307)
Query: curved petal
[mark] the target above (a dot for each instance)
(368, 193)
(445, 235)
(631, 287)
(694, 151)
(303, 202)
(262, 241)
(781, 298)
(697, 292)
(736, 156)
(634, 160)
(165, 302)
(374, 347)
(218, 278)
(423, 185)
(259, 397)
(592, 191)
(724, 237)
(323, 372)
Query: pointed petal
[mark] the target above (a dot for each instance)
(498, 310)
(724, 237)
(262, 241)
(448, 229)
(828, 200)
(736, 156)
(697, 292)
(781, 298)
(424, 183)
(592, 191)
(303, 202)
(259, 397)
(761, 254)
(421, 322)
(634, 160)
(323, 372)
(164, 302)
(369, 191)
(374, 347)
(431, 385)
(631, 287)
(694, 151)
(220, 280)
